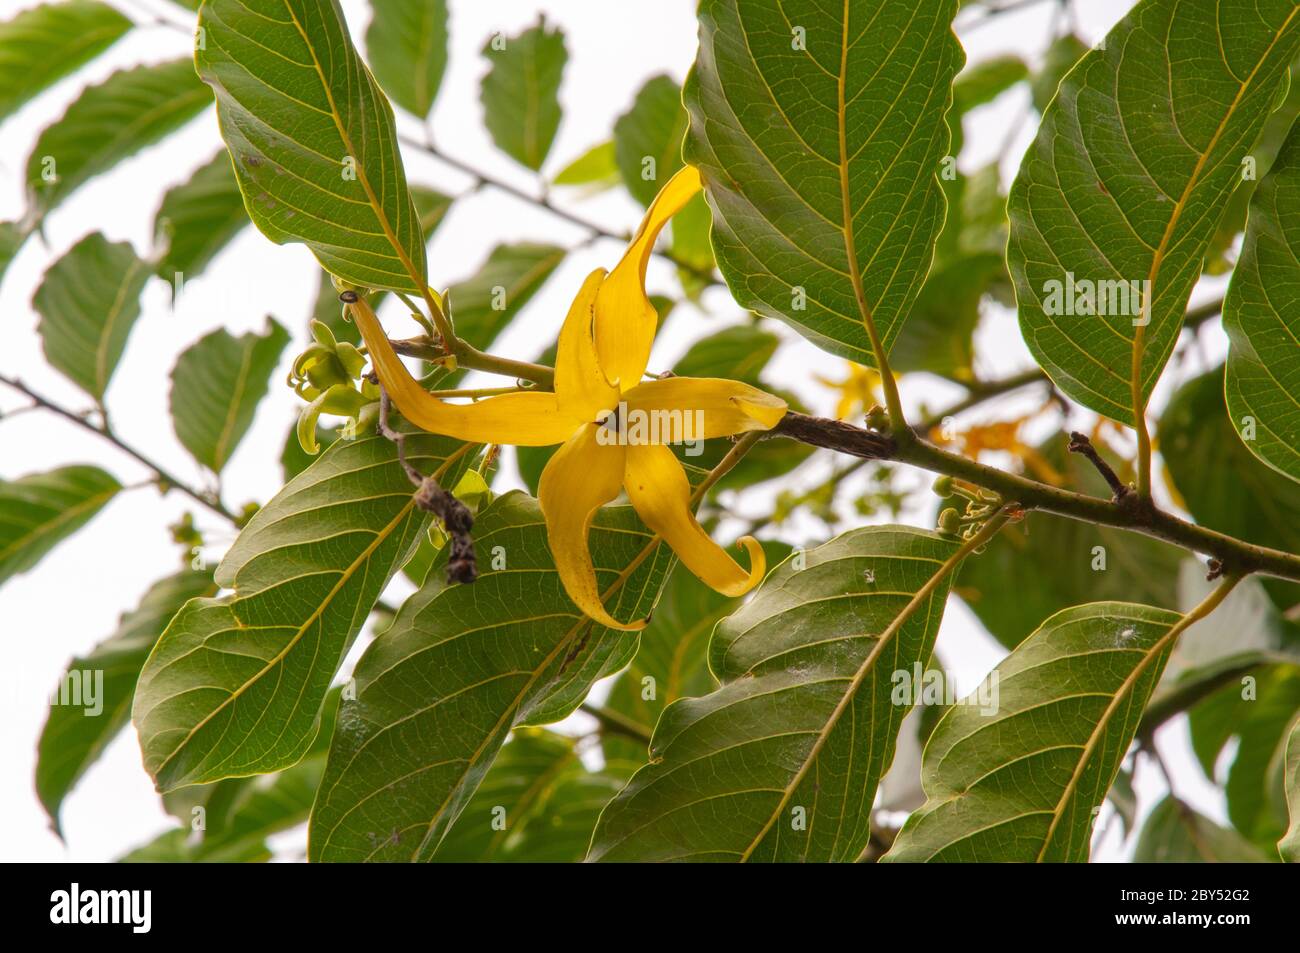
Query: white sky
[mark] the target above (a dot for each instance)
(73, 599)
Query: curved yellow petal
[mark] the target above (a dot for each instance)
(707, 406)
(580, 385)
(577, 481)
(625, 318)
(657, 487)
(526, 419)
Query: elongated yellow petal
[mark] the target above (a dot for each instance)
(528, 419)
(577, 481)
(657, 487)
(625, 318)
(580, 385)
(705, 406)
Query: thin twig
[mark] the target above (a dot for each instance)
(594, 229)
(611, 722)
(164, 478)
(457, 520)
(1080, 444)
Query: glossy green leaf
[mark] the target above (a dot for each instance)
(461, 666)
(110, 122)
(234, 817)
(1289, 845)
(782, 761)
(88, 301)
(78, 730)
(1261, 314)
(1056, 562)
(1024, 783)
(672, 661)
(520, 92)
(432, 206)
(1222, 483)
(819, 132)
(216, 386)
(198, 218)
(537, 804)
(48, 42)
(596, 168)
(312, 138)
(1221, 256)
(1133, 165)
(648, 138)
(1176, 834)
(407, 47)
(235, 684)
(40, 510)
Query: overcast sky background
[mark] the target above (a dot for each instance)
(73, 599)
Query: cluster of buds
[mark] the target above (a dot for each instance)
(328, 376)
(980, 505)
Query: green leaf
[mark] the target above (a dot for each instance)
(198, 218)
(76, 734)
(460, 667)
(89, 301)
(407, 45)
(537, 803)
(1220, 257)
(483, 305)
(12, 236)
(1257, 713)
(40, 510)
(235, 684)
(432, 207)
(796, 144)
(1244, 633)
(1059, 59)
(982, 82)
(672, 661)
(1024, 783)
(216, 386)
(312, 138)
(1261, 314)
(597, 167)
(739, 352)
(110, 122)
(648, 138)
(1176, 834)
(1133, 165)
(782, 761)
(1222, 483)
(520, 92)
(48, 42)
(1289, 845)
(1056, 564)
(238, 814)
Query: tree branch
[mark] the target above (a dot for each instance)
(164, 478)
(543, 202)
(1132, 513)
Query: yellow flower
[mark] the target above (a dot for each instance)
(857, 390)
(598, 412)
